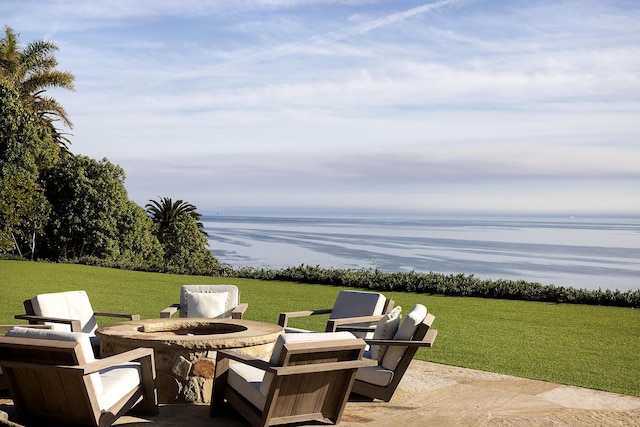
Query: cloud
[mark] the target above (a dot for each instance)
(333, 103)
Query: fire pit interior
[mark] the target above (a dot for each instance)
(185, 349)
(205, 328)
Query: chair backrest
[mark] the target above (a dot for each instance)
(357, 304)
(280, 357)
(322, 391)
(65, 305)
(208, 300)
(406, 331)
(40, 386)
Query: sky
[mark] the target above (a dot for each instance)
(308, 106)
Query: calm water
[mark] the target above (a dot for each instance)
(584, 253)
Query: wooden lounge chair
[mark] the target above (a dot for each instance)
(68, 311)
(54, 378)
(211, 301)
(355, 308)
(308, 378)
(3, 328)
(393, 355)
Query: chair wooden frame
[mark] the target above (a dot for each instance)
(74, 324)
(423, 337)
(236, 312)
(4, 384)
(49, 381)
(334, 325)
(309, 383)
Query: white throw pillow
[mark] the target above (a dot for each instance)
(385, 330)
(206, 304)
(405, 332)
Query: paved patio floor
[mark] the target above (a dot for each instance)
(441, 395)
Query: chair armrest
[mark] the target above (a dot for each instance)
(123, 315)
(284, 317)
(245, 359)
(238, 311)
(137, 354)
(73, 323)
(169, 311)
(9, 326)
(323, 367)
(427, 341)
(343, 322)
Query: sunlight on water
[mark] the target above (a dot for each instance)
(586, 253)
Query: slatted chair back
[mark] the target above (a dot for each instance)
(54, 377)
(303, 381)
(40, 387)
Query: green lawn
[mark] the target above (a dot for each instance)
(588, 346)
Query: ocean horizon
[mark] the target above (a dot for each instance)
(581, 252)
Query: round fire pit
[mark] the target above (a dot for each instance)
(185, 349)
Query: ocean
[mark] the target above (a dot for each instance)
(591, 253)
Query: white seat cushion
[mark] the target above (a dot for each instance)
(66, 305)
(246, 380)
(207, 304)
(385, 330)
(117, 381)
(376, 375)
(405, 332)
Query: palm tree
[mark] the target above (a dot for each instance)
(165, 212)
(32, 71)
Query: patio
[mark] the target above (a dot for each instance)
(441, 395)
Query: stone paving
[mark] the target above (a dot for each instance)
(441, 395)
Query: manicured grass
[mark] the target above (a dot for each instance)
(588, 346)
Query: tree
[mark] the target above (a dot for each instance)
(26, 148)
(166, 212)
(182, 236)
(31, 71)
(185, 247)
(93, 217)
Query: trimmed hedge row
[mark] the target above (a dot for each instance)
(435, 283)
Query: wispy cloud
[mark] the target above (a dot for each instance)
(264, 100)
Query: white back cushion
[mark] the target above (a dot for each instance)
(232, 300)
(357, 303)
(385, 330)
(405, 332)
(207, 304)
(53, 335)
(66, 305)
(299, 338)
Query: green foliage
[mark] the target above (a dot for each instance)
(26, 148)
(31, 71)
(185, 247)
(434, 283)
(166, 212)
(93, 217)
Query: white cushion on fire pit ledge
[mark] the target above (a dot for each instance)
(109, 384)
(207, 304)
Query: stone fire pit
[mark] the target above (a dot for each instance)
(185, 349)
